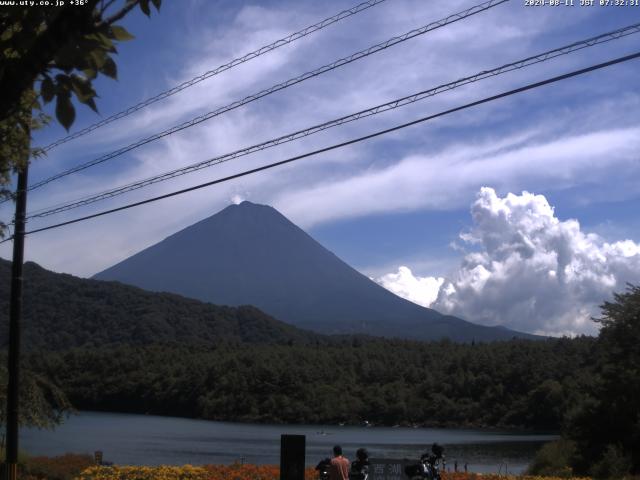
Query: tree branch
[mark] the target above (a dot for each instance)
(118, 15)
(106, 6)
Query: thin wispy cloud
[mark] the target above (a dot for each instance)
(576, 136)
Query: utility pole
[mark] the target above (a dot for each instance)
(15, 317)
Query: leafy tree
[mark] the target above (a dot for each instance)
(43, 404)
(553, 459)
(15, 146)
(53, 53)
(606, 424)
(46, 54)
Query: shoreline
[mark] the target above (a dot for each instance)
(407, 425)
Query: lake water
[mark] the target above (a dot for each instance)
(152, 440)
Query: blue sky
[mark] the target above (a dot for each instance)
(402, 200)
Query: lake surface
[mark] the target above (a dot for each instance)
(152, 440)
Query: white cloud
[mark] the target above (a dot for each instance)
(446, 179)
(527, 269)
(420, 290)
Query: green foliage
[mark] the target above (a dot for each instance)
(15, 134)
(42, 403)
(62, 51)
(383, 381)
(605, 424)
(614, 464)
(553, 460)
(119, 348)
(47, 54)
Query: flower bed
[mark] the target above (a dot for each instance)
(251, 472)
(247, 472)
(188, 472)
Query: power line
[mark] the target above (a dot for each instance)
(281, 86)
(530, 86)
(532, 60)
(227, 66)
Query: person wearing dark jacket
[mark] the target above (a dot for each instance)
(323, 468)
(360, 466)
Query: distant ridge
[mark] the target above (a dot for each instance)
(62, 311)
(251, 254)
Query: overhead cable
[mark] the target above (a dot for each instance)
(400, 102)
(530, 86)
(227, 66)
(275, 88)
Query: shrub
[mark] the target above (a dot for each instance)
(64, 467)
(614, 464)
(553, 460)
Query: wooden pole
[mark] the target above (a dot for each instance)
(15, 317)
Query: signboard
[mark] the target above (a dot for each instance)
(388, 468)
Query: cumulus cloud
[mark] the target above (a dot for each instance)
(420, 290)
(526, 269)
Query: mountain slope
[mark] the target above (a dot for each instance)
(62, 311)
(251, 254)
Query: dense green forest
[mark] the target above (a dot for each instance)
(114, 347)
(107, 346)
(519, 383)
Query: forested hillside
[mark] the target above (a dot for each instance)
(517, 383)
(62, 311)
(118, 348)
